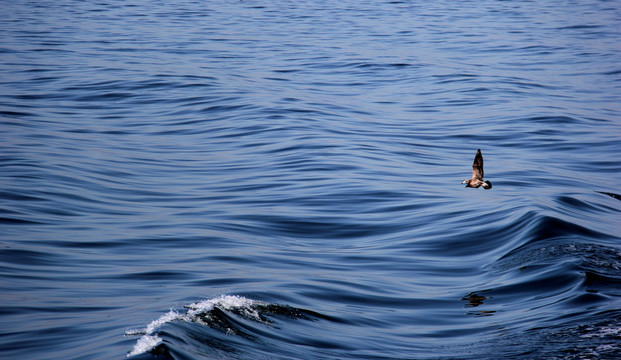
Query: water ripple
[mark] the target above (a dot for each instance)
(306, 159)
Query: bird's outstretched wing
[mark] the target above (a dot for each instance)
(477, 166)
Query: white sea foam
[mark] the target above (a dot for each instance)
(225, 302)
(166, 318)
(144, 344)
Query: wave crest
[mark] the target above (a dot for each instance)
(215, 313)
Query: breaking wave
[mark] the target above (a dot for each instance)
(222, 314)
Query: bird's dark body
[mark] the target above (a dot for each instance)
(477, 174)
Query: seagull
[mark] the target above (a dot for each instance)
(477, 174)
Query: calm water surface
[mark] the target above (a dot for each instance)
(282, 180)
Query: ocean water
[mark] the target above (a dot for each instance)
(282, 179)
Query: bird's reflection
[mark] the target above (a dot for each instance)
(474, 299)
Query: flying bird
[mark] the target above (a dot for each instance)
(477, 174)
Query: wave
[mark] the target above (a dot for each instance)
(221, 314)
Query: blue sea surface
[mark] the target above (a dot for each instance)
(282, 179)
